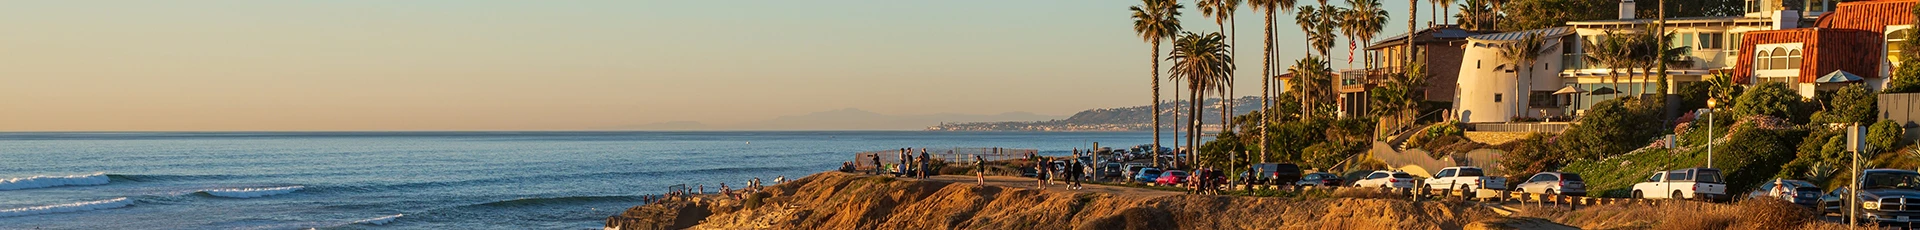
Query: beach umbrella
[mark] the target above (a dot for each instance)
(1838, 76)
(1569, 90)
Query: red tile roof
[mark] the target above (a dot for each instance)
(1869, 15)
(1823, 51)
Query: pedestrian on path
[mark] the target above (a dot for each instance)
(876, 163)
(979, 170)
(923, 163)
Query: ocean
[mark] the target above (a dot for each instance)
(418, 180)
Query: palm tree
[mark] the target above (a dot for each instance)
(1444, 10)
(1205, 62)
(1308, 71)
(1309, 19)
(1272, 7)
(1608, 51)
(1368, 19)
(1522, 53)
(1476, 15)
(1406, 57)
(1154, 20)
(1222, 13)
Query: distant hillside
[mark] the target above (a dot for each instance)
(1110, 119)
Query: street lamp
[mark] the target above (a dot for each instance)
(1710, 103)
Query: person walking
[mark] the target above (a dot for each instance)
(1040, 172)
(979, 170)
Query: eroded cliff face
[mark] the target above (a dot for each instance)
(834, 200)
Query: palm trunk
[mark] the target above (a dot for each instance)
(1226, 111)
(1176, 113)
(1266, 86)
(1193, 132)
(1156, 102)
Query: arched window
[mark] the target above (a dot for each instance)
(1779, 59)
(1760, 61)
(1793, 59)
(1895, 42)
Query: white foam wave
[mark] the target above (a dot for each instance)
(252, 192)
(53, 181)
(380, 220)
(72, 207)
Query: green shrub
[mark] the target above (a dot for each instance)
(1850, 104)
(1531, 155)
(1772, 99)
(1884, 135)
(1610, 128)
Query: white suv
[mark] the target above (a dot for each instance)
(1386, 179)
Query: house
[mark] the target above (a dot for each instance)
(1860, 38)
(1438, 48)
(1572, 83)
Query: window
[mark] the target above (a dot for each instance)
(1444, 173)
(1760, 60)
(1476, 64)
(1539, 178)
(1655, 177)
(1777, 58)
(1686, 39)
(1542, 99)
(1496, 97)
(1470, 172)
(1677, 176)
(1778, 61)
(1895, 42)
(1711, 41)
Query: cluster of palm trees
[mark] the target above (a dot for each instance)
(1634, 51)
(1205, 60)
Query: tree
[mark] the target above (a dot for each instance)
(1272, 7)
(1850, 104)
(1652, 55)
(1308, 70)
(1610, 128)
(1205, 62)
(1539, 14)
(1723, 89)
(1222, 13)
(1154, 20)
(1770, 99)
(1307, 18)
(1884, 135)
(1477, 15)
(1365, 21)
(1610, 51)
(1906, 80)
(1522, 53)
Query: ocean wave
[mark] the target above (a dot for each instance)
(158, 178)
(379, 220)
(52, 181)
(252, 192)
(70, 207)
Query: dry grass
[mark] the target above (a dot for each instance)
(1688, 215)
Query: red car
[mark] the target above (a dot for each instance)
(1171, 177)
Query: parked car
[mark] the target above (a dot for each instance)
(1146, 175)
(1273, 173)
(1386, 179)
(1171, 177)
(1320, 179)
(1111, 170)
(1467, 178)
(1693, 183)
(1887, 196)
(1799, 192)
(1128, 171)
(1557, 183)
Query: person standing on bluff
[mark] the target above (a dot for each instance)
(924, 163)
(876, 163)
(979, 170)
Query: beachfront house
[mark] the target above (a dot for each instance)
(1856, 43)
(1438, 48)
(1494, 89)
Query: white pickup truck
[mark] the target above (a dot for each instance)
(1693, 183)
(1466, 178)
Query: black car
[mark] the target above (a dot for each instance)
(1321, 179)
(1273, 173)
(1888, 196)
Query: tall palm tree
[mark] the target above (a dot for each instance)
(1272, 8)
(1308, 70)
(1308, 18)
(1326, 32)
(1406, 56)
(1155, 20)
(1522, 53)
(1476, 15)
(1608, 51)
(1205, 62)
(1444, 9)
(1222, 13)
(1368, 19)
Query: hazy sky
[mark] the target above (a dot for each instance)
(561, 65)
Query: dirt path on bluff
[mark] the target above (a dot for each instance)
(1027, 183)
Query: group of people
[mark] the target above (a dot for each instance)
(753, 186)
(1069, 171)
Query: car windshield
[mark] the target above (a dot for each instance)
(1178, 174)
(1891, 180)
(1470, 172)
(1570, 177)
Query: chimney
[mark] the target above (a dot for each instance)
(1626, 9)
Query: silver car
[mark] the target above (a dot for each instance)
(1558, 183)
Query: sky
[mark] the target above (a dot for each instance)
(571, 65)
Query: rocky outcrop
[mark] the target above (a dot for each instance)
(834, 200)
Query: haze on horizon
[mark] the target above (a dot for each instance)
(233, 65)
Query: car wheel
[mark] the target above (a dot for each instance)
(1677, 195)
(1550, 191)
(1637, 195)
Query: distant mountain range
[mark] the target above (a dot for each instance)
(842, 119)
(1111, 119)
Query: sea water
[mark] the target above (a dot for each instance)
(418, 180)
